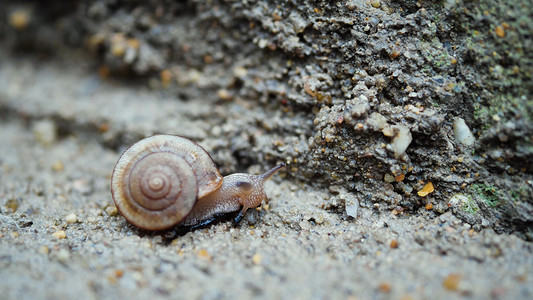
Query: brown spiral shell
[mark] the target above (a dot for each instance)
(157, 181)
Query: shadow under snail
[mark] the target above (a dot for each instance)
(167, 180)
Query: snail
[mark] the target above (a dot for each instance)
(165, 180)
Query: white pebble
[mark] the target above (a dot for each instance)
(45, 132)
(359, 106)
(462, 133)
(401, 141)
(63, 255)
(458, 200)
(71, 218)
(352, 206)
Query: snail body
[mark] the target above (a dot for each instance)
(166, 180)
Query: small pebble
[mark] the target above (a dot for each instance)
(45, 132)
(58, 166)
(388, 178)
(204, 254)
(19, 19)
(60, 234)
(166, 77)
(401, 140)
(385, 287)
(146, 244)
(257, 258)
(462, 132)
(375, 3)
(240, 72)
(352, 206)
(118, 45)
(451, 282)
(500, 32)
(63, 255)
(44, 249)
(71, 218)
(224, 94)
(387, 131)
(427, 189)
(399, 177)
(138, 276)
(111, 210)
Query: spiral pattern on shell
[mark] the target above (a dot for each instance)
(157, 181)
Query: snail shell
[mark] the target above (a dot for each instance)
(157, 181)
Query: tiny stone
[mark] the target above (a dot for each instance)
(19, 19)
(377, 121)
(352, 206)
(387, 131)
(137, 276)
(256, 259)
(119, 273)
(224, 94)
(240, 72)
(427, 189)
(319, 219)
(71, 218)
(375, 3)
(63, 255)
(385, 287)
(148, 244)
(500, 32)
(60, 234)
(44, 249)
(451, 282)
(58, 166)
(462, 133)
(204, 254)
(388, 178)
(401, 141)
(45, 132)
(359, 106)
(166, 76)
(111, 210)
(399, 177)
(262, 43)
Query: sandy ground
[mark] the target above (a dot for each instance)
(61, 237)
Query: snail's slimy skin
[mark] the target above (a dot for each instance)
(238, 192)
(166, 180)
